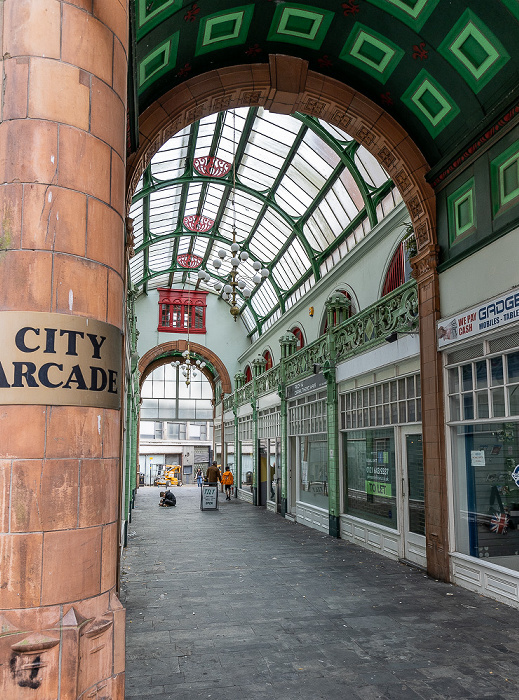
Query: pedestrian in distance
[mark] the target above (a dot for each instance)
(227, 481)
(167, 499)
(199, 477)
(213, 475)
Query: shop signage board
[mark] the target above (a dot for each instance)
(209, 497)
(490, 315)
(59, 360)
(317, 381)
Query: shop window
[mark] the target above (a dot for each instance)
(268, 357)
(504, 173)
(370, 483)
(181, 311)
(399, 270)
(487, 502)
(299, 335)
(483, 410)
(393, 402)
(462, 212)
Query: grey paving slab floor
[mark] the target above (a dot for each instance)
(241, 604)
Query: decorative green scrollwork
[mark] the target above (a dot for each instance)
(397, 312)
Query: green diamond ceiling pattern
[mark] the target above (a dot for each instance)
(437, 66)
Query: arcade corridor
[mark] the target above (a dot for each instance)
(239, 603)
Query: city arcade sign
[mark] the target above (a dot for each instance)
(59, 360)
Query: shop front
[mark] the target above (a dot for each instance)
(383, 477)
(481, 356)
(269, 450)
(308, 453)
(246, 456)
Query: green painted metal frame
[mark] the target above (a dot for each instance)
(345, 150)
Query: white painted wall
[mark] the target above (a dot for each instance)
(225, 337)
(485, 274)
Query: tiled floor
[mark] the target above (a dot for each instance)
(241, 604)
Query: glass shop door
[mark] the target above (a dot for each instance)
(413, 499)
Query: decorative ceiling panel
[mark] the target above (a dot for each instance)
(378, 47)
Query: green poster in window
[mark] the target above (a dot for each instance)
(378, 488)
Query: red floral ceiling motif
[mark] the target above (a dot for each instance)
(198, 224)
(189, 260)
(211, 166)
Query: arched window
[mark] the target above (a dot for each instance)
(248, 374)
(399, 270)
(299, 335)
(268, 357)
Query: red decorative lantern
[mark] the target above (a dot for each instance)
(211, 166)
(198, 224)
(189, 260)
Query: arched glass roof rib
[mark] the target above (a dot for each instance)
(305, 193)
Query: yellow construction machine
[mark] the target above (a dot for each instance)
(171, 476)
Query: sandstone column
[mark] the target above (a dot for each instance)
(62, 173)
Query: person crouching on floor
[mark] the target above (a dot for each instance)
(227, 481)
(167, 499)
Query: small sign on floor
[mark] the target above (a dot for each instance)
(209, 497)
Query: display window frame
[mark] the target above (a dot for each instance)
(484, 499)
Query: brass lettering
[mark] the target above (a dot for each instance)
(3, 379)
(98, 373)
(51, 339)
(28, 374)
(43, 375)
(76, 377)
(20, 339)
(72, 340)
(96, 345)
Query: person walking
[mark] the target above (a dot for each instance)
(227, 481)
(199, 477)
(213, 475)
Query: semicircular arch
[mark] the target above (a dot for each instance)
(313, 94)
(161, 354)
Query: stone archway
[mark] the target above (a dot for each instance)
(286, 85)
(155, 357)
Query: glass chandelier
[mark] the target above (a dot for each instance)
(188, 365)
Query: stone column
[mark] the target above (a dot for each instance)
(433, 417)
(62, 173)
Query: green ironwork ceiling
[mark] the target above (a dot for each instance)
(305, 194)
(440, 67)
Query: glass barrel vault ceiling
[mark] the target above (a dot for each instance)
(305, 194)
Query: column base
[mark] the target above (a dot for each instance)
(334, 526)
(78, 648)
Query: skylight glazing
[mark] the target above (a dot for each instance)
(305, 193)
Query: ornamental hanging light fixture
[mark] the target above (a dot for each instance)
(188, 365)
(237, 281)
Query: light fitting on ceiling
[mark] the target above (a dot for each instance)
(188, 366)
(236, 280)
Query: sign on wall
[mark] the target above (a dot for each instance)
(60, 360)
(491, 315)
(313, 383)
